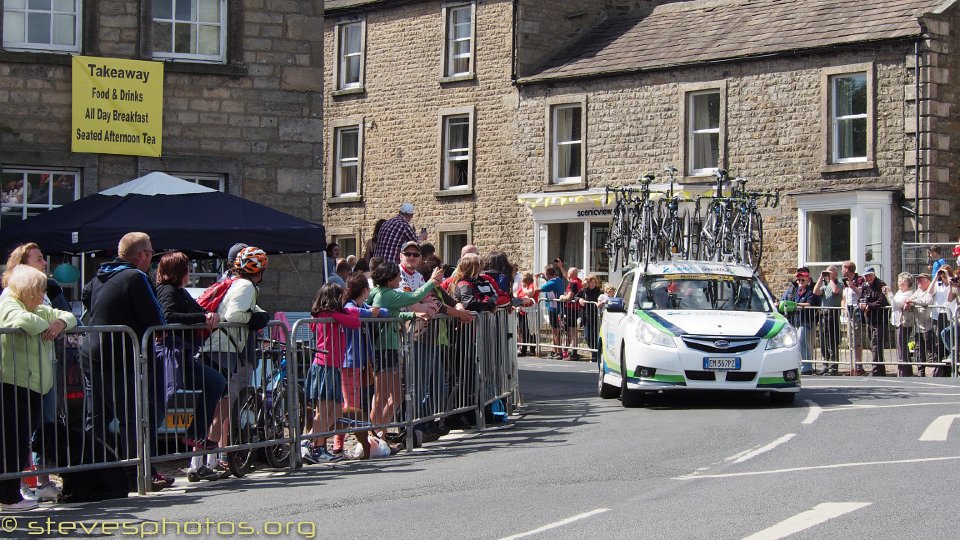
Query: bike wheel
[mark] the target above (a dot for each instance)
(277, 425)
(754, 248)
(682, 231)
(708, 238)
(245, 418)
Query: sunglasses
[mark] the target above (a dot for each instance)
(410, 254)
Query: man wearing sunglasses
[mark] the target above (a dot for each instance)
(410, 279)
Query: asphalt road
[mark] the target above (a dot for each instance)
(854, 458)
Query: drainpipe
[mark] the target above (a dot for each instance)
(916, 168)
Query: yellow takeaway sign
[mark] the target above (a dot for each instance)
(117, 106)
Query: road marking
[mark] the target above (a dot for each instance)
(815, 411)
(752, 453)
(818, 514)
(695, 476)
(558, 523)
(939, 428)
(858, 406)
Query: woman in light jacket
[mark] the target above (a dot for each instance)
(26, 370)
(226, 347)
(903, 319)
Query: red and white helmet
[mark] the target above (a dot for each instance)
(250, 260)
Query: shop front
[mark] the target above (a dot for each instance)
(572, 226)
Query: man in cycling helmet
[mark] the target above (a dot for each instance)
(230, 349)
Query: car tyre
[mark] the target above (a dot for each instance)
(629, 398)
(783, 398)
(606, 391)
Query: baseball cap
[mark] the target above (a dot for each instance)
(923, 275)
(870, 270)
(411, 243)
(406, 208)
(802, 273)
(234, 251)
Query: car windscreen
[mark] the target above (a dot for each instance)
(701, 292)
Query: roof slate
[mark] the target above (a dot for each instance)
(711, 30)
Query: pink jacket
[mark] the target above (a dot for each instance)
(331, 338)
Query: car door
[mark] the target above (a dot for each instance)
(615, 323)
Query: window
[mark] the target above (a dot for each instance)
(347, 141)
(567, 143)
(28, 192)
(458, 30)
(47, 25)
(703, 132)
(348, 244)
(853, 225)
(457, 151)
(350, 57)
(848, 117)
(192, 30)
(451, 243)
(212, 181)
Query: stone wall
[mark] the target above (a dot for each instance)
(400, 107)
(773, 136)
(257, 119)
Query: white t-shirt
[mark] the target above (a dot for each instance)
(410, 282)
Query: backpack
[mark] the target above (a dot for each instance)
(211, 298)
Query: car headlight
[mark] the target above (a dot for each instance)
(651, 335)
(785, 339)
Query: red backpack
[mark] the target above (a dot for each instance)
(211, 298)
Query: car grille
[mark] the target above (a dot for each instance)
(708, 344)
(701, 375)
(741, 376)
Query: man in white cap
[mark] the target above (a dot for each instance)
(395, 232)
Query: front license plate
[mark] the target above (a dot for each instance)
(721, 363)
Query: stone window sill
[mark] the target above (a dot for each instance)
(349, 91)
(454, 192)
(847, 167)
(567, 186)
(345, 200)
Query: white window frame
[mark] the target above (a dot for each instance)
(77, 14)
(450, 42)
(340, 162)
(692, 132)
(836, 119)
(445, 232)
(194, 22)
(204, 179)
(463, 154)
(341, 56)
(336, 238)
(556, 143)
(858, 203)
(24, 206)
(828, 138)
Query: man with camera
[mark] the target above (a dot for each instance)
(851, 298)
(830, 292)
(873, 304)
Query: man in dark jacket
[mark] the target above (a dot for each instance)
(873, 304)
(120, 294)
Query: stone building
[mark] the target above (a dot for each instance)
(503, 122)
(242, 105)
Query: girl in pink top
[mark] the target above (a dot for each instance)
(323, 384)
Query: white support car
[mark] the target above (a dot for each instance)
(696, 325)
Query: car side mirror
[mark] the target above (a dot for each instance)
(615, 305)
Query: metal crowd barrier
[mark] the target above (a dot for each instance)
(88, 420)
(560, 326)
(835, 336)
(257, 413)
(121, 408)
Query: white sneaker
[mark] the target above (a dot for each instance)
(21, 506)
(49, 492)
